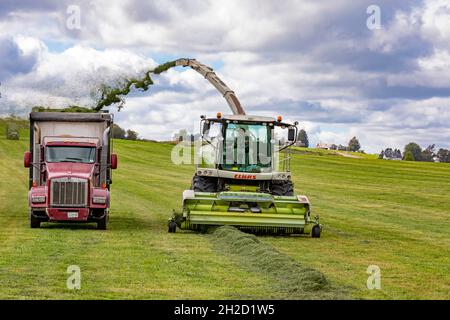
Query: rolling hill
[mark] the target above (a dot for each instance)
(395, 215)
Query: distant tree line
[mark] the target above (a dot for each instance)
(184, 135)
(353, 144)
(119, 133)
(413, 152)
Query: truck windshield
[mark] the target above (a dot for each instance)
(70, 154)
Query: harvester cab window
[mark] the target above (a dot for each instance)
(215, 131)
(70, 154)
(246, 147)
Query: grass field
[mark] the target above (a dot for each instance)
(391, 214)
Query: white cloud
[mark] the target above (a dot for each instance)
(436, 22)
(70, 77)
(312, 61)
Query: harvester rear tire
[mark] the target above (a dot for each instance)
(204, 184)
(282, 188)
(172, 227)
(315, 232)
(102, 224)
(34, 222)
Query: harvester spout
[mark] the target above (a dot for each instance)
(211, 76)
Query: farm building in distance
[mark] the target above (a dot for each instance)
(327, 146)
(324, 146)
(390, 154)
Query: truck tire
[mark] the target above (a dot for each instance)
(102, 224)
(282, 188)
(204, 184)
(34, 222)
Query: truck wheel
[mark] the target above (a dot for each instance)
(102, 224)
(34, 222)
(315, 232)
(204, 184)
(282, 188)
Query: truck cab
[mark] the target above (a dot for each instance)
(70, 163)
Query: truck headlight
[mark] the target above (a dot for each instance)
(99, 200)
(38, 199)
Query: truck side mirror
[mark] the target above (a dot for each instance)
(291, 134)
(114, 161)
(206, 127)
(27, 159)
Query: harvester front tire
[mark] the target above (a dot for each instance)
(102, 224)
(315, 232)
(34, 222)
(172, 227)
(282, 188)
(204, 184)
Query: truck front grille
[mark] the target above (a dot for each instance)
(68, 192)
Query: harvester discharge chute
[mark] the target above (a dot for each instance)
(247, 181)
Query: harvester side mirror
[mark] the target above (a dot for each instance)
(27, 159)
(206, 127)
(291, 134)
(114, 161)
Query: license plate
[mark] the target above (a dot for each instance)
(72, 215)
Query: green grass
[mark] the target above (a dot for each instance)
(287, 275)
(391, 214)
(324, 152)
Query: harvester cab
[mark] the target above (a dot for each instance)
(243, 177)
(245, 153)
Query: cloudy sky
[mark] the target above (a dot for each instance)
(326, 64)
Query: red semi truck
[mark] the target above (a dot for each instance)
(70, 162)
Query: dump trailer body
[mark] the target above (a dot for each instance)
(66, 125)
(249, 211)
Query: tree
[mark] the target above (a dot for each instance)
(118, 132)
(414, 149)
(132, 135)
(353, 144)
(388, 153)
(409, 156)
(428, 154)
(302, 138)
(381, 156)
(443, 155)
(180, 135)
